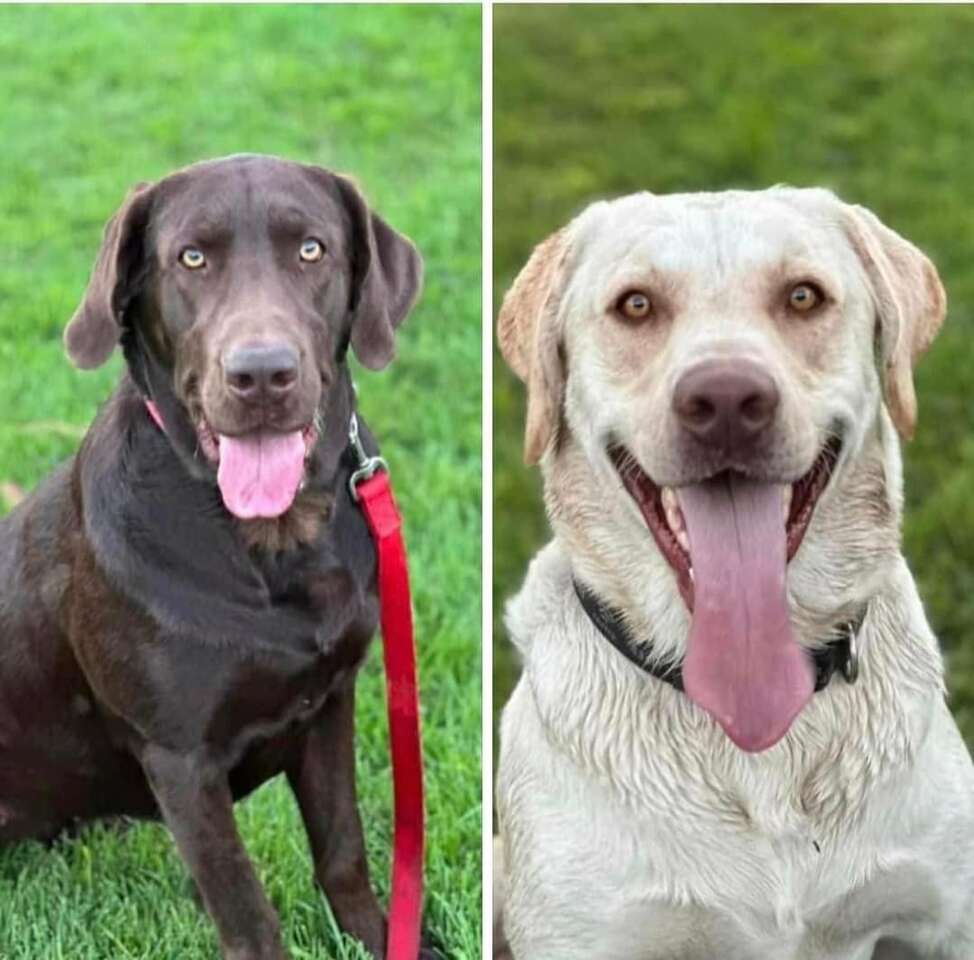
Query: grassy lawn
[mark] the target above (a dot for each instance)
(97, 98)
(871, 101)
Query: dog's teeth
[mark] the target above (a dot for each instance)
(786, 502)
(682, 539)
(674, 515)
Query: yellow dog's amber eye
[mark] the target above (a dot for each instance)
(312, 250)
(804, 297)
(192, 259)
(634, 305)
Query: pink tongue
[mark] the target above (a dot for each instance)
(259, 474)
(744, 665)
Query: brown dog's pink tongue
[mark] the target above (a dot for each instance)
(743, 664)
(259, 474)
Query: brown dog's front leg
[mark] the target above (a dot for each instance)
(323, 780)
(197, 806)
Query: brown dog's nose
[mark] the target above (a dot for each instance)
(725, 403)
(260, 372)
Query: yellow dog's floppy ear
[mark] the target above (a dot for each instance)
(527, 333)
(94, 329)
(910, 305)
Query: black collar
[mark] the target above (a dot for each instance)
(839, 654)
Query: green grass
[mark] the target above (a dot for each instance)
(97, 98)
(873, 101)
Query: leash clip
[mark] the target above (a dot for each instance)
(367, 466)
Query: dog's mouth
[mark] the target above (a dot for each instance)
(729, 539)
(259, 473)
(661, 507)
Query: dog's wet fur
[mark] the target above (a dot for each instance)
(161, 657)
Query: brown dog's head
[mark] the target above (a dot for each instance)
(237, 285)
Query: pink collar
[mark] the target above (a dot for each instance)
(155, 414)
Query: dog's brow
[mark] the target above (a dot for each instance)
(667, 282)
(290, 218)
(212, 224)
(800, 267)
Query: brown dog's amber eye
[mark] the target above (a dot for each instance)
(634, 305)
(192, 259)
(804, 297)
(312, 250)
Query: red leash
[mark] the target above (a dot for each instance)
(370, 486)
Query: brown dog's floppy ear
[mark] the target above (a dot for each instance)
(94, 329)
(910, 305)
(527, 333)
(387, 274)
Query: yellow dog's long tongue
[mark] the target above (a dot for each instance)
(743, 664)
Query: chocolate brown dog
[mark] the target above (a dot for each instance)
(184, 604)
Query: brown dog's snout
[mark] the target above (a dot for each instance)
(261, 372)
(726, 404)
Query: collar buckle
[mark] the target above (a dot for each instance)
(850, 665)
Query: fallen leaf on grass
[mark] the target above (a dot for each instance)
(11, 494)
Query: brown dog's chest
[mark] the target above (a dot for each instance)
(249, 709)
(167, 683)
